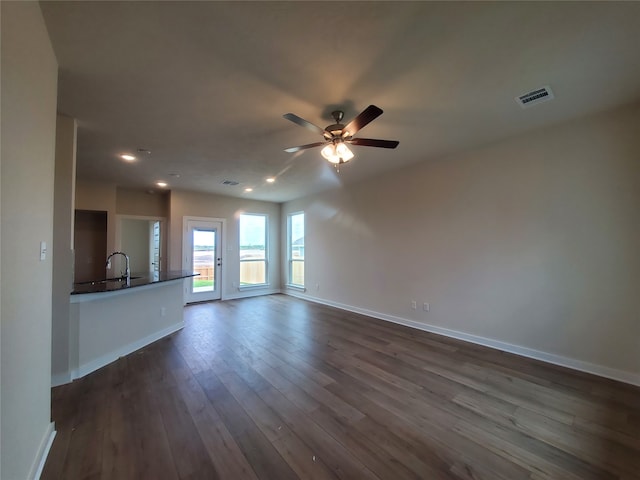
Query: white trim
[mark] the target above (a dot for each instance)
(58, 379)
(253, 287)
(106, 359)
(252, 293)
(299, 288)
(43, 452)
(572, 363)
(289, 248)
(186, 253)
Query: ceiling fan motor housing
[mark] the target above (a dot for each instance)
(335, 130)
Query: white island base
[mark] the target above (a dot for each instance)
(109, 325)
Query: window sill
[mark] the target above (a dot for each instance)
(295, 287)
(253, 287)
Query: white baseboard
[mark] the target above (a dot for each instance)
(43, 452)
(595, 369)
(251, 293)
(58, 379)
(106, 359)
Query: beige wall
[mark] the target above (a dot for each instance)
(102, 197)
(142, 203)
(92, 195)
(205, 205)
(29, 82)
(531, 242)
(135, 243)
(64, 199)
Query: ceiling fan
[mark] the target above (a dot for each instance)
(337, 136)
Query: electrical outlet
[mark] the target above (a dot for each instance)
(414, 304)
(425, 307)
(163, 312)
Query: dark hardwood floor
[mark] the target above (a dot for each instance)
(278, 388)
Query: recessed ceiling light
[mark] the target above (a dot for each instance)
(127, 156)
(161, 184)
(248, 189)
(271, 180)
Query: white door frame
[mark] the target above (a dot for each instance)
(187, 247)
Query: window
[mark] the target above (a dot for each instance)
(295, 247)
(253, 250)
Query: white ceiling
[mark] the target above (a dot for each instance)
(204, 85)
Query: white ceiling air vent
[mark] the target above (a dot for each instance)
(230, 182)
(535, 97)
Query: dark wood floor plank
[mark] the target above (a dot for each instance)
(292, 448)
(87, 440)
(278, 388)
(447, 415)
(188, 451)
(151, 452)
(264, 417)
(255, 446)
(301, 458)
(223, 451)
(370, 453)
(342, 463)
(432, 436)
(591, 449)
(118, 441)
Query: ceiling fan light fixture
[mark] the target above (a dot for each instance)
(344, 152)
(337, 153)
(329, 152)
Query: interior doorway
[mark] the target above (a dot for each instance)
(90, 245)
(142, 239)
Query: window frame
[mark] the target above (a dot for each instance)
(242, 286)
(290, 259)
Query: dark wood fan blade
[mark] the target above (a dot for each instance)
(304, 147)
(372, 142)
(368, 115)
(303, 123)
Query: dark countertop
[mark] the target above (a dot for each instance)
(137, 280)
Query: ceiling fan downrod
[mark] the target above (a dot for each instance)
(337, 115)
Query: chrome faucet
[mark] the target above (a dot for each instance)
(127, 273)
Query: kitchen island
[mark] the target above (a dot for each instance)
(111, 318)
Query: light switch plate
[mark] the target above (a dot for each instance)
(43, 251)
